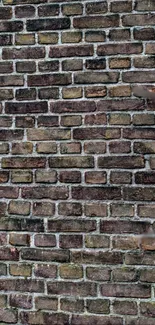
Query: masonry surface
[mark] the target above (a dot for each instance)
(77, 151)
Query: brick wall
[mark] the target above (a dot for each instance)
(77, 195)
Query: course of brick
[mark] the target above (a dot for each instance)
(77, 194)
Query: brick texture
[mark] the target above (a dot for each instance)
(77, 162)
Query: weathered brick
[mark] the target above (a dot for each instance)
(70, 176)
(78, 225)
(20, 301)
(46, 240)
(98, 273)
(70, 241)
(74, 92)
(96, 8)
(6, 67)
(122, 34)
(48, 93)
(49, 79)
(72, 65)
(70, 209)
(24, 11)
(71, 51)
(125, 242)
(21, 176)
(57, 255)
(72, 288)
(25, 108)
(25, 94)
(25, 39)
(48, 66)
(144, 34)
(11, 26)
(94, 319)
(23, 53)
(95, 91)
(19, 207)
(121, 6)
(72, 305)
(23, 148)
(44, 318)
(95, 36)
(96, 22)
(5, 39)
(144, 147)
(48, 38)
(119, 63)
(43, 208)
(124, 162)
(71, 271)
(98, 257)
(98, 147)
(44, 192)
(26, 66)
(125, 290)
(138, 20)
(95, 177)
(125, 307)
(46, 303)
(120, 91)
(135, 76)
(96, 133)
(7, 315)
(143, 5)
(46, 147)
(71, 162)
(124, 274)
(48, 134)
(95, 77)
(19, 162)
(4, 148)
(98, 306)
(146, 210)
(120, 147)
(19, 239)
(71, 37)
(45, 176)
(120, 48)
(120, 105)
(96, 193)
(139, 194)
(97, 241)
(98, 119)
(71, 120)
(96, 209)
(145, 178)
(11, 80)
(125, 226)
(122, 210)
(46, 270)
(48, 24)
(48, 10)
(72, 107)
(23, 285)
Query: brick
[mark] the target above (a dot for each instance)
(11, 26)
(125, 162)
(125, 307)
(24, 39)
(7, 253)
(98, 273)
(98, 119)
(3, 207)
(120, 48)
(96, 8)
(7, 315)
(119, 63)
(78, 225)
(124, 274)
(25, 94)
(146, 210)
(20, 301)
(143, 119)
(97, 241)
(125, 290)
(44, 192)
(98, 257)
(95, 36)
(19, 207)
(46, 303)
(95, 77)
(72, 305)
(147, 275)
(147, 309)
(70, 271)
(95, 64)
(46, 270)
(51, 24)
(3, 241)
(122, 210)
(143, 5)
(71, 120)
(72, 9)
(5, 121)
(3, 301)
(72, 288)
(45, 176)
(71, 37)
(95, 193)
(135, 76)
(48, 38)
(26, 66)
(48, 10)
(94, 319)
(49, 79)
(148, 243)
(44, 318)
(48, 93)
(71, 162)
(74, 92)
(139, 194)
(56, 255)
(122, 34)
(23, 53)
(98, 306)
(95, 177)
(96, 21)
(25, 108)
(70, 176)
(96, 133)
(119, 147)
(48, 66)
(23, 148)
(23, 285)
(11, 80)
(46, 240)
(5, 39)
(46, 147)
(124, 227)
(125, 243)
(138, 133)
(19, 239)
(145, 178)
(144, 34)
(70, 241)
(4, 177)
(21, 176)
(72, 106)
(20, 163)
(70, 209)
(6, 67)
(71, 51)
(48, 134)
(17, 2)
(95, 91)
(152, 163)
(96, 209)
(121, 6)
(120, 105)
(98, 147)
(43, 208)
(9, 192)
(6, 94)
(120, 91)
(72, 65)
(24, 11)
(138, 20)
(18, 224)
(10, 135)
(140, 258)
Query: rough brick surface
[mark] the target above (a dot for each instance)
(77, 162)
